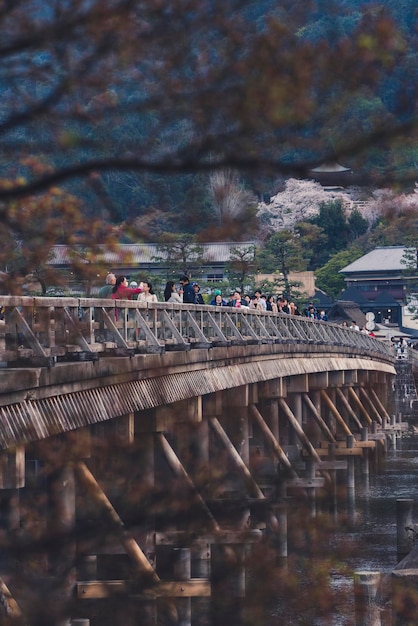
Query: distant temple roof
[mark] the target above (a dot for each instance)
(331, 174)
(330, 167)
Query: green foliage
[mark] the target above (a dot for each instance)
(180, 252)
(336, 231)
(332, 220)
(328, 278)
(357, 224)
(241, 267)
(283, 252)
(410, 261)
(313, 239)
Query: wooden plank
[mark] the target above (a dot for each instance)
(332, 465)
(100, 589)
(337, 452)
(370, 443)
(402, 426)
(305, 482)
(358, 444)
(174, 538)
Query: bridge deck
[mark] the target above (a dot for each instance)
(167, 440)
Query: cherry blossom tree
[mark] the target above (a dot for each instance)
(298, 201)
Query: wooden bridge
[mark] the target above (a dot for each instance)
(145, 449)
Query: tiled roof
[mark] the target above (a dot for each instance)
(382, 259)
(144, 253)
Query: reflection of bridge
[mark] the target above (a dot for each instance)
(184, 427)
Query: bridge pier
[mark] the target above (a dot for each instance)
(225, 451)
(175, 463)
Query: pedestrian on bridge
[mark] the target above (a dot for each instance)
(198, 298)
(170, 293)
(218, 300)
(187, 290)
(147, 294)
(121, 290)
(106, 290)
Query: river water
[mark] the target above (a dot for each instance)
(372, 530)
(360, 535)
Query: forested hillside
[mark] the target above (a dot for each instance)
(123, 121)
(340, 110)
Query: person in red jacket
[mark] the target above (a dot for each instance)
(121, 291)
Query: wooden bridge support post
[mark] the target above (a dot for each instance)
(404, 524)
(235, 417)
(337, 417)
(311, 491)
(350, 414)
(365, 458)
(343, 407)
(236, 421)
(282, 460)
(321, 427)
(271, 416)
(333, 473)
(350, 478)
(61, 531)
(404, 597)
(358, 403)
(182, 572)
(193, 449)
(12, 478)
(375, 413)
(329, 396)
(315, 425)
(366, 585)
(294, 401)
(145, 447)
(381, 399)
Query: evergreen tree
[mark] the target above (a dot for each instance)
(282, 252)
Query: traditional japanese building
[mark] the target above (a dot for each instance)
(379, 282)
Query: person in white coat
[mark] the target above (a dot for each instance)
(147, 294)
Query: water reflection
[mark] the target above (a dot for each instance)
(370, 534)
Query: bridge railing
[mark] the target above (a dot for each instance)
(47, 330)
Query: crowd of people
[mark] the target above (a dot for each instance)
(117, 287)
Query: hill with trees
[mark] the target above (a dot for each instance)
(122, 121)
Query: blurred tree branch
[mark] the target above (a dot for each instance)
(94, 87)
(203, 87)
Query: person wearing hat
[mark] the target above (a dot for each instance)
(198, 298)
(218, 300)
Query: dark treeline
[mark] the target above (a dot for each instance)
(184, 200)
(123, 121)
